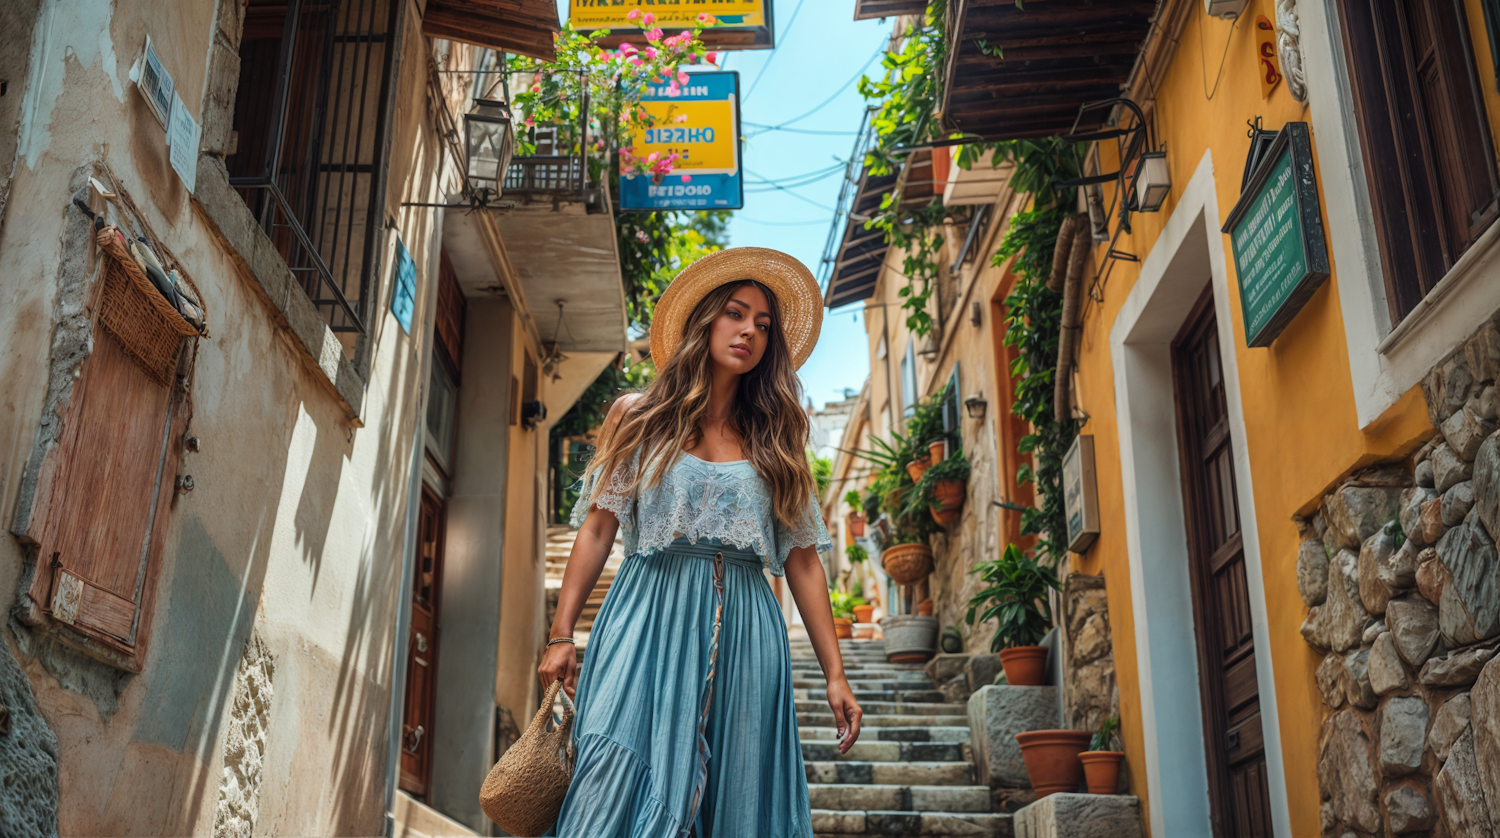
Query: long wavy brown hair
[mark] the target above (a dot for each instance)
(767, 414)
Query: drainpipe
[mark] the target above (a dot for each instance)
(1078, 258)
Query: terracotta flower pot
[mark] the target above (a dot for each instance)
(857, 524)
(1051, 758)
(1102, 770)
(917, 468)
(950, 495)
(924, 608)
(862, 613)
(907, 563)
(843, 628)
(1024, 666)
(937, 450)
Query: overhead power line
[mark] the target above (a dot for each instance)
(785, 33)
(783, 126)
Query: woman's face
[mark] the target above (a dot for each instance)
(739, 336)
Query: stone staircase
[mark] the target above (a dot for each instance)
(559, 545)
(909, 774)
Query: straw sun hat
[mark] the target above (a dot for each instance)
(796, 291)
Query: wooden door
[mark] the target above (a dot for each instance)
(422, 646)
(1237, 781)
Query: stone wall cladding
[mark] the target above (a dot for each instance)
(245, 742)
(1400, 575)
(1091, 694)
(28, 757)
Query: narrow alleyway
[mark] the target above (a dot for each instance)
(909, 774)
(559, 545)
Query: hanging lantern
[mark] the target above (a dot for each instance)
(1151, 182)
(489, 142)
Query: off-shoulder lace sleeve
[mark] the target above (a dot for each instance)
(617, 495)
(810, 533)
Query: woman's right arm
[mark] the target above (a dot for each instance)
(585, 562)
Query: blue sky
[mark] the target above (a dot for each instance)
(819, 47)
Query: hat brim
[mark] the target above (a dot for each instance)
(796, 291)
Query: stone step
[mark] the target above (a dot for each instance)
(867, 697)
(852, 796)
(905, 682)
(949, 732)
(890, 773)
(874, 670)
(868, 750)
(893, 708)
(825, 719)
(827, 823)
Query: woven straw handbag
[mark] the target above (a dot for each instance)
(524, 791)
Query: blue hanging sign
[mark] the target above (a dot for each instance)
(699, 121)
(404, 295)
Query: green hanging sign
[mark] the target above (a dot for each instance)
(1276, 228)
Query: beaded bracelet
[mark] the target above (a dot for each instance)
(562, 640)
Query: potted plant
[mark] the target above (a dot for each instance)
(908, 561)
(856, 516)
(863, 610)
(944, 487)
(937, 449)
(842, 605)
(1101, 765)
(1017, 599)
(1052, 760)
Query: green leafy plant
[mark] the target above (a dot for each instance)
(926, 421)
(856, 554)
(1105, 735)
(853, 499)
(843, 604)
(822, 472)
(1016, 597)
(870, 503)
(956, 467)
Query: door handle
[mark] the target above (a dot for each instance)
(412, 738)
(1232, 740)
(421, 642)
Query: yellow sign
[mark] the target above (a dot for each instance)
(700, 133)
(670, 14)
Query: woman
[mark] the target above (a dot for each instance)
(686, 720)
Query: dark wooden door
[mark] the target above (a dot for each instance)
(422, 644)
(1237, 781)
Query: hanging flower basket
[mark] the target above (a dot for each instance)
(950, 495)
(917, 468)
(856, 522)
(907, 564)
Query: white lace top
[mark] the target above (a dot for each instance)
(700, 500)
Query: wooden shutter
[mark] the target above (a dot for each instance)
(1427, 148)
(450, 315)
(102, 503)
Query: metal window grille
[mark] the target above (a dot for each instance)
(313, 117)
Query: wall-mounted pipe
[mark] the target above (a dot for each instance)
(1078, 259)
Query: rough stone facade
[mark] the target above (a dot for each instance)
(1089, 693)
(1398, 568)
(245, 742)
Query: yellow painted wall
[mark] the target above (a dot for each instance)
(1300, 420)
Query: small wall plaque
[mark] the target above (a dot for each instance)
(1080, 494)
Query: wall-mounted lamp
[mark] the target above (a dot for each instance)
(532, 412)
(975, 406)
(489, 142)
(1150, 183)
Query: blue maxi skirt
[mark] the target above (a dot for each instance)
(680, 731)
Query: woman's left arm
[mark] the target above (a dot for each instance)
(809, 587)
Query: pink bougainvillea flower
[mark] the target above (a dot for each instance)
(627, 49)
(640, 236)
(682, 78)
(634, 16)
(529, 122)
(648, 19)
(650, 53)
(687, 178)
(653, 156)
(654, 35)
(707, 19)
(712, 58)
(635, 61)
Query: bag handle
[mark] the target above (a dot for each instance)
(544, 712)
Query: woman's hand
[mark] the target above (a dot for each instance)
(846, 712)
(560, 663)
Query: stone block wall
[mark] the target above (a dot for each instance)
(1090, 693)
(1399, 570)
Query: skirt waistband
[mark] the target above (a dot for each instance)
(709, 548)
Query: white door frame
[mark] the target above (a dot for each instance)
(1187, 255)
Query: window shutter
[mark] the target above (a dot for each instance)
(102, 503)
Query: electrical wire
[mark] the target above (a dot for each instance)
(778, 223)
(769, 128)
(782, 127)
(775, 185)
(766, 66)
(802, 179)
(1209, 94)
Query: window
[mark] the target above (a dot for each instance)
(312, 119)
(1427, 148)
(909, 378)
(951, 405)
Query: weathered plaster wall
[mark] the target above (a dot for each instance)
(296, 523)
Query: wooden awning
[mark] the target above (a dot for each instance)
(1038, 63)
(523, 27)
(861, 252)
(866, 9)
